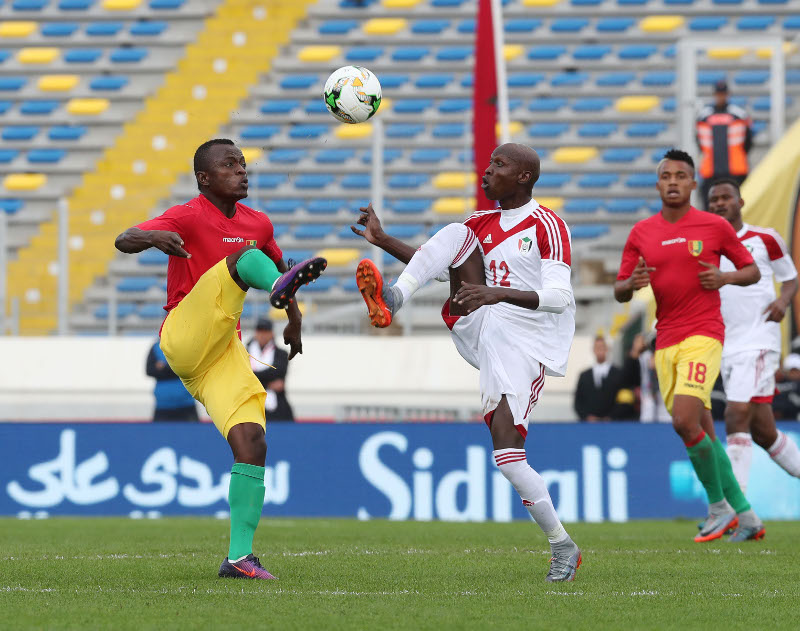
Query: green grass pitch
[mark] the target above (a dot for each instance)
(343, 574)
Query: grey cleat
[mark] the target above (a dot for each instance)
(716, 526)
(564, 564)
(746, 533)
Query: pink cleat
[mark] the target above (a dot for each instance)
(248, 567)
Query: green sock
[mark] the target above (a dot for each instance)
(705, 466)
(246, 498)
(730, 487)
(257, 270)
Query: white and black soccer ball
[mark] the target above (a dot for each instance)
(352, 94)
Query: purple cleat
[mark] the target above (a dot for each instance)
(286, 286)
(248, 567)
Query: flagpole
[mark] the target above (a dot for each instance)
(500, 66)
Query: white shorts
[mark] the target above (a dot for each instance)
(749, 376)
(506, 368)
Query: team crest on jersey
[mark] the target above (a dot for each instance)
(525, 245)
(695, 247)
(252, 242)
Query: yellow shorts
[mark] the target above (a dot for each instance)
(690, 367)
(200, 343)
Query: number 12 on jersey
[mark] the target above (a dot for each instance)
(494, 266)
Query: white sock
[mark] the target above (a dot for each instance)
(786, 454)
(740, 452)
(533, 491)
(449, 247)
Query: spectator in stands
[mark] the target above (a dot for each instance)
(786, 404)
(639, 371)
(173, 402)
(263, 351)
(725, 136)
(598, 386)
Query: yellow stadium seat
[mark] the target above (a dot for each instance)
(453, 205)
(318, 53)
(121, 5)
(789, 48)
(17, 29)
(540, 3)
(634, 103)
(660, 23)
(384, 26)
(351, 132)
(87, 107)
(340, 256)
(251, 154)
(24, 181)
(400, 4)
(58, 82)
(512, 51)
(37, 55)
(553, 203)
(727, 53)
(514, 128)
(453, 179)
(574, 155)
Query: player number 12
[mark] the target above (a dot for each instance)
(503, 267)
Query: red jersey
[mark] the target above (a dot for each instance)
(209, 236)
(683, 307)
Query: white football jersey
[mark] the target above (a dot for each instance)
(743, 307)
(529, 249)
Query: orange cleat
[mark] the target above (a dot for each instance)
(370, 284)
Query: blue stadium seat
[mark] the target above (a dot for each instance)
(19, 132)
(405, 231)
(668, 104)
(8, 155)
(363, 53)
(726, 2)
(313, 231)
(166, 5)
(455, 106)
(124, 309)
(622, 154)
(657, 155)
(433, 81)
(5, 106)
(356, 180)
(326, 206)
(278, 107)
(658, 78)
(128, 55)
(446, 3)
(759, 126)
(410, 53)
(637, 51)
(334, 156)
(390, 154)
(591, 104)
(411, 206)
(597, 180)
(568, 79)
(583, 205)
(589, 231)
(412, 106)
(322, 284)
(709, 77)
(547, 104)
(591, 51)
(108, 82)
(547, 130)
(298, 254)
(466, 27)
(151, 311)
(454, 53)
(4, 55)
(792, 22)
(625, 205)
(288, 156)
(546, 52)
(793, 76)
(707, 23)
(279, 230)
(315, 106)
(615, 79)
(755, 22)
(29, 5)
(641, 180)
(12, 84)
(67, 132)
(34, 108)
(597, 130)
(586, 3)
(281, 206)
(568, 25)
(46, 156)
(349, 285)
(773, 1)
(448, 130)
(298, 81)
(307, 131)
(614, 25)
(103, 29)
(267, 180)
(404, 130)
(645, 129)
(429, 154)
(467, 81)
(522, 25)
(147, 28)
(407, 180)
(153, 256)
(678, 2)
(74, 5)
(523, 79)
(82, 55)
(257, 132)
(751, 77)
(314, 180)
(11, 206)
(58, 29)
(138, 283)
(429, 27)
(337, 27)
(345, 234)
(553, 180)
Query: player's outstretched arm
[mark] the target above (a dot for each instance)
(374, 234)
(135, 240)
(639, 278)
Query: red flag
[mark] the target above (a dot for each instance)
(484, 97)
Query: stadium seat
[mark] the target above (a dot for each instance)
(466, 27)
(429, 154)
(467, 80)
(448, 130)
(59, 29)
(108, 82)
(622, 154)
(279, 230)
(727, 52)
(166, 5)
(522, 25)
(524, 79)
(384, 26)
(313, 231)
(29, 5)
(547, 130)
(153, 257)
(707, 23)
(104, 29)
(658, 78)
(793, 76)
(661, 23)
(12, 84)
(614, 24)
(334, 156)
(636, 104)
(151, 311)
(363, 53)
(455, 106)
(568, 25)
(792, 22)
(589, 231)
(24, 181)
(390, 154)
(82, 55)
(645, 129)
(407, 180)
(318, 53)
(58, 83)
(356, 180)
(553, 180)
(313, 180)
(138, 283)
(429, 27)
(257, 132)
(282, 206)
(19, 132)
(453, 206)
(548, 52)
(147, 28)
(404, 130)
(5, 106)
(128, 55)
(8, 155)
(278, 107)
(433, 81)
(568, 79)
(709, 77)
(87, 107)
(755, 22)
(411, 206)
(38, 55)
(641, 180)
(287, 156)
(547, 104)
(326, 206)
(124, 309)
(583, 205)
(11, 206)
(637, 51)
(315, 106)
(298, 81)
(614, 79)
(267, 180)
(597, 180)
(17, 29)
(441, 4)
(404, 231)
(751, 77)
(46, 156)
(74, 5)
(454, 53)
(410, 53)
(624, 205)
(300, 132)
(38, 108)
(322, 284)
(67, 132)
(336, 27)
(353, 132)
(591, 104)
(597, 130)
(591, 52)
(574, 155)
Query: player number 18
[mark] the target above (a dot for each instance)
(699, 371)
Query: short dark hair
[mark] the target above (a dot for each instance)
(680, 156)
(201, 155)
(726, 180)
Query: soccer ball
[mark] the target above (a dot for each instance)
(352, 94)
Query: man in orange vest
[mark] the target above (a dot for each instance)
(725, 136)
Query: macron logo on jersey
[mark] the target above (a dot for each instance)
(671, 241)
(232, 240)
